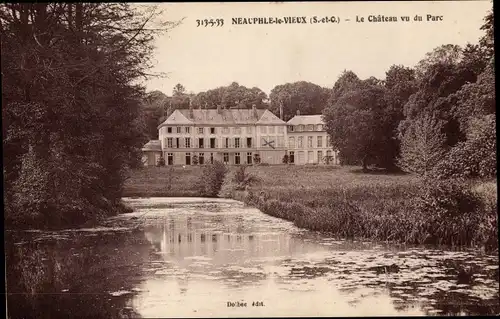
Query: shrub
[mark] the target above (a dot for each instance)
(285, 159)
(195, 160)
(237, 181)
(256, 158)
(450, 211)
(161, 161)
(212, 179)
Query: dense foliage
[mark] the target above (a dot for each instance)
(71, 111)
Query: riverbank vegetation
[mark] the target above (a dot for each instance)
(71, 107)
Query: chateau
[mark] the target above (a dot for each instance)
(238, 136)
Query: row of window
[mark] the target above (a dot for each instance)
(194, 159)
(300, 141)
(199, 158)
(225, 130)
(226, 142)
(304, 128)
(310, 157)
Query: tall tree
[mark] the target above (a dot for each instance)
(422, 145)
(71, 114)
(357, 123)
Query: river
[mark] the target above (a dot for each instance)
(194, 257)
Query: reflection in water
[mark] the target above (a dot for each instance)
(190, 258)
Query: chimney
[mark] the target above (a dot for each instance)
(298, 112)
(281, 111)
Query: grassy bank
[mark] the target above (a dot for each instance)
(163, 182)
(352, 204)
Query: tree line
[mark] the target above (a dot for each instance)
(71, 108)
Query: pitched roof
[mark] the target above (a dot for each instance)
(305, 120)
(221, 117)
(153, 145)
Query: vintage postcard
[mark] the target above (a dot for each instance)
(266, 159)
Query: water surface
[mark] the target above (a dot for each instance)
(180, 257)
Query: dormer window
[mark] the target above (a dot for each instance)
(290, 128)
(320, 127)
(169, 130)
(310, 127)
(300, 128)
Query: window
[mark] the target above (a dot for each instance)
(211, 158)
(201, 158)
(327, 141)
(179, 129)
(320, 141)
(310, 157)
(291, 142)
(309, 141)
(237, 142)
(291, 157)
(271, 129)
(212, 130)
(320, 156)
(188, 130)
(300, 128)
(177, 142)
(188, 158)
(281, 141)
(169, 142)
(290, 128)
(299, 142)
(212, 142)
(320, 127)
(200, 142)
(249, 130)
(249, 142)
(310, 127)
(237, 130)
(237, 158)
(281, 129)
(187, 142)
(226, 158)
(200, 130)
(263, 129)
(169, 130)
(249, 158)
(225, 130)
(170, 159)
(226, 142)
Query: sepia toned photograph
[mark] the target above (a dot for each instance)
(251, 159)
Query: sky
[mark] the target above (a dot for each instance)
(203, 58)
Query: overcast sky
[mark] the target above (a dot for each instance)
(203, 58)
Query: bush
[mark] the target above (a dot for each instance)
(161, 161)
(237, 181)
(285, 159)
(450, 212)
(212, 178)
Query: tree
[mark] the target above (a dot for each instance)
(305, 97)
(179, 89)
(72, 117)
(422, 145)
(358, 123)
